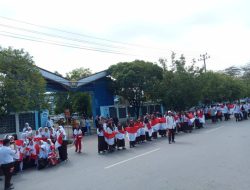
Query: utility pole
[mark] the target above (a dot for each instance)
(204, 57)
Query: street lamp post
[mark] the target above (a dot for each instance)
(204, 57)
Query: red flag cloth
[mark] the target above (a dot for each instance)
(139, 124)
(1, 141)
(60, 139)
(176, 117)
(133, 129)
(149, 126)
(52, 147)
(163, 120)
(37, 139)
(200, 115)
(154, 121)
(122, 131)
(110, 136)
(190, 116)
(230, 106)
(37, 147)
(19, 142)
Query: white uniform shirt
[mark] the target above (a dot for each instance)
(170, 122)
(77, 132)
(6, 155)
(225, 109)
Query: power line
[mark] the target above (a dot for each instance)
(38, 39)
(23, 37)
(58, 36)
(83, 35)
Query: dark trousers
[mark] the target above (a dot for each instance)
(131, 144)
(148, 138)
(7, 172)
(226, 116)
(171, 135)
(63, 154)
(213, 119)
(154, 135)
(237, 116)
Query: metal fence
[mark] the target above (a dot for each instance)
(14, 123)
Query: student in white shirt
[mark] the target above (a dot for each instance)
(7, 162)
(170, 126)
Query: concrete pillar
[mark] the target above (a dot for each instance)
(17, 123)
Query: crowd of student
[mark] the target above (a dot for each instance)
(45, 147)
(48, 146)
(112, 134)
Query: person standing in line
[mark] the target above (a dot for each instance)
(170, 126)
(102, 145)
(87, 125)
(78, 138)
(7, 162)
(213, 113)
(82, 125)
(148, 128)
(97, 122)
(237, 112)
(120, 136)
(225, 111)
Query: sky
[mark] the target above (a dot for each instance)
(65, 35)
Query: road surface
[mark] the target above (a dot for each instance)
(214, 158)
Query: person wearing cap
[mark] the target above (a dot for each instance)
(7, 163)
(170, 126)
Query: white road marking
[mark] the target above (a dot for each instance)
(212, 130)
(121, 162)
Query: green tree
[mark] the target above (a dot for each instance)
(74, 101)
(217, 87)
(233, 71)
(136, 81)
(22, 87)
(179, 85)
(78, 74)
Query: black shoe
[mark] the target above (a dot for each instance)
(173, 141)
(9, 188)
(169, 142)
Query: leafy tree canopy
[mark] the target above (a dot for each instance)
(78, 73)
(22, 87)
(136, 81)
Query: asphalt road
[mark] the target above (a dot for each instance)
(214, 158)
